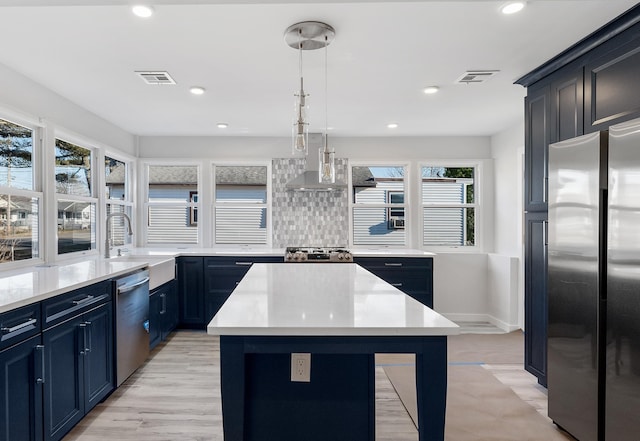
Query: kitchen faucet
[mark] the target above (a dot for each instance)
(107, 242)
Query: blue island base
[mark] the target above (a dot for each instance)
(260, 403)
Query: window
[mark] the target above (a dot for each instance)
(75, 198)
(240, 204)
(378, 205)
(172, 204)
(448, 205)
(118, 199)
(19, 203)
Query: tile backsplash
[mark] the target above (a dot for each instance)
(308, 218)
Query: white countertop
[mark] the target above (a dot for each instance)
(20, 287)
(323, 299)
(42, 282)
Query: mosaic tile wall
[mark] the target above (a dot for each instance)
(308, 218)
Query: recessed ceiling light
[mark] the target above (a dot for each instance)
(143, 11)
(512, 7)
(431, 90)
(222, 125)
(392, 126)
(197, 90)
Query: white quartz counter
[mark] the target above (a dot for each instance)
(323, 299)
(39, 283)
(24, 286)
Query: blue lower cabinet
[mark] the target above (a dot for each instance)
(21, 400)
(78, 368)
(411, 275)
(205, 283)
(155, 308)
(64, 378)
(163, 312)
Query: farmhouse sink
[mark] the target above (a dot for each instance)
(162, 269)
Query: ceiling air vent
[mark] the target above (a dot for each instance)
(477, 76)
(156, 77)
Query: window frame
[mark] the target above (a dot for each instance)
(37, 152)
(477, 165)
(144, 167)
(93, 198)
(125, 205)
(267, 205)
(36, 191)
(406, 166)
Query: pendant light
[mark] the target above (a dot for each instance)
(327, 161)
(308, 35)
(300, 124)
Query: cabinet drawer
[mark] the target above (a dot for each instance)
(62, 307)
(238, 262)
(19, 324)
(398, 263)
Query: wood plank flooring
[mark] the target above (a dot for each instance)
(176, 396)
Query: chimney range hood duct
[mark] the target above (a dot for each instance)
(309, 180)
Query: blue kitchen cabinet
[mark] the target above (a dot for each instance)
(191, 292)
(205, 283)
(411, 275)
(78, 354)
(21, 371)
(163, 312)
(221, 276)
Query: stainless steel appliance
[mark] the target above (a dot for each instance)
(310, 254)
(132, 324)
(594, 284)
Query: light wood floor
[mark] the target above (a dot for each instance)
(176, 396)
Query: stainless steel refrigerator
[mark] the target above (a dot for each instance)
(594, 284)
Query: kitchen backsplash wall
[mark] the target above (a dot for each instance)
(308, 218)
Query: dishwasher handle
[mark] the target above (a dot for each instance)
(126, 288)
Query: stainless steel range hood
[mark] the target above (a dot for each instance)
(310, 179)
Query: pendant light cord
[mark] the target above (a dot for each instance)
(326, 97)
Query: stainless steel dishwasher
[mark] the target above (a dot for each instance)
(132, 323)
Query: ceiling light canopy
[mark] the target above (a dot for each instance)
(430, 90)
(513, 7)
(143, 11)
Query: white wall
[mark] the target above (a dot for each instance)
(20, 94)
(376, 149)
(506, 267)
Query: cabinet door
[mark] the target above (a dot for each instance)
(535, 296)
(155, 317)
(98, 355)
(612, 94)
(64, 378)
(567, 109)
(536, 145)
(21, 399)
(191, 292)
(169, 319)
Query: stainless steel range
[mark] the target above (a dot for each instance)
(331, 255)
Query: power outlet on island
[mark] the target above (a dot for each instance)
(301, 367)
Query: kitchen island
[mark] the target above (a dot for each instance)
(342, 315)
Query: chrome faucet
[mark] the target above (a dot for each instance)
(107, 242)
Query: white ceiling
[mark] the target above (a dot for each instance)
(383, 55)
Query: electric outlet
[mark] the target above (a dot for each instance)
(301, 367)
